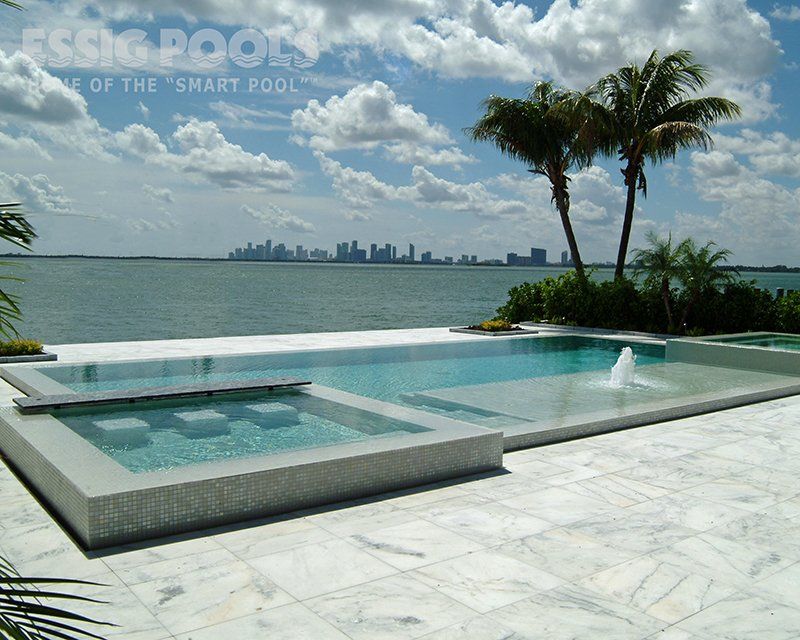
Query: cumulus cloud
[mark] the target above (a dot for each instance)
(754, 212)
(22, 145)
(572, 42)
(157, 194)
(164, 223)
(366, 116)
(788, 12)
(31, 93)
(772, 153)
(238, 116)
(37, 193)
(143, 109)
(278, 218)
(203, 153)
(361, 189)
(369, 116)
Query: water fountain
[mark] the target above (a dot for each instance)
(623, 372)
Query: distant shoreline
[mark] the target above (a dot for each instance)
(28, 256)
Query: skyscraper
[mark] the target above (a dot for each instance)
(538, 256)
(373, 252)
(268, 249)
(411, 252)
(564, 258)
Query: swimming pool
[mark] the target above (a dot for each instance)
(384, 373)
(166, 434)
(783, 341)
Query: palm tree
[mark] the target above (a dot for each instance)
(661, 262)
(645, 114)
(699, 272)
(16, 229)
(11, 4)
(532, 130)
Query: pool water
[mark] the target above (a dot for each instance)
(383, 373)
(776, 341)
(166, 434)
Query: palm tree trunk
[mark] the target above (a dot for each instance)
(695, 297)
(561, 197)
(665, 298)
(631, 174)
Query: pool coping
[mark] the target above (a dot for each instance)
(104, 504)
(712, 351)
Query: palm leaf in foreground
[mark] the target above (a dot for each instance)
(25, 614)
(15, 229)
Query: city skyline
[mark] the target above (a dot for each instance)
(350, 251)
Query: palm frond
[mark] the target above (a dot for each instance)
(25, 614)
(11, 4)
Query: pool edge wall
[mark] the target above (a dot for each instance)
(103, 504)
(725, 354)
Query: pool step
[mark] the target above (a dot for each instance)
(46, 403)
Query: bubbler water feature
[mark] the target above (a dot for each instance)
(623, 373)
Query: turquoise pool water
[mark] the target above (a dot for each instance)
(385, 373)
(164, 434)
(772, 341)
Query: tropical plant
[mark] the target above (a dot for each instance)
(645, 114)
(533, 131)
(700, 273)
(660, 263)
(15, 229)
(9, 3)
(24, 614)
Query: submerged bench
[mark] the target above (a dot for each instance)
(36, 404)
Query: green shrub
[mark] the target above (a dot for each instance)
(20, 347)
(622, 304)
(524, 303)
(496, 325)
(788, 313)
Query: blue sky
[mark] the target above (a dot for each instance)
(369, 145)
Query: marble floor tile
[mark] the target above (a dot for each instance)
(566, 553)
(45, 550)
(21, 510)
(311, 570)
(616, 490)
(533, 468)
(478, 628)
(599, 458)
(572, 613)
(745, 616)
(165, 569)
(272, 537)
(486, 580)
(735, 493)
(200, 598)
(442, 507)
(672, 633)
(638, 532)
(558, 505)
(575, 474)
(491, 524)
(360, 517)
(134, 555)
(289, 622)
(688, 511)
(674, 474)
(425, 495)
(734, 562)
(415, 544)
(499, 487)
(783, 586)
(775, 534)
(660, 589)
(120, 607)
(394, 608)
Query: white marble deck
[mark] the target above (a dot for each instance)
(687, 530)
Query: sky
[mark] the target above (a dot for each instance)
(319, 121)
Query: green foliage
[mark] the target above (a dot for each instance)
(15, 229)
(626, 305)
(495, 325)
(20, 347)
(788, 313)
(26, 612)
